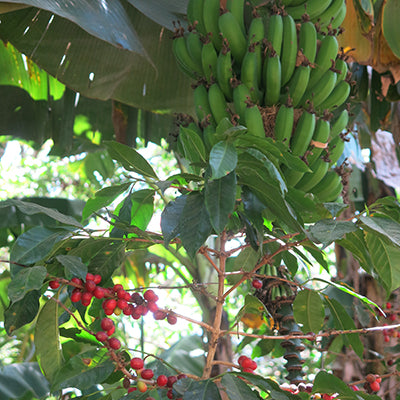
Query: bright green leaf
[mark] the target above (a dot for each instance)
(47, 340)
(330, 384)
(308, 310)
(223, 159)
(26, 280)
(193, 145)
(130, 159)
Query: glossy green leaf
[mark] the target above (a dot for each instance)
(291, 262)
(130, 159)
(308, 311)
(343, 321)
(265, 145)
(170, 218)
(220, 197)
(73, 266)
(223, 159)
(246, 260)
(236, 389)
(193, 145)
(385, 260)
(390, 25)
(22, 312)
(194, 225)
(142, 208)
(5, 279)
(30, 208)
(384, 226)
(47, 340)
(26, 280)
(35, 244)
(325, 382)
(263, 347)
(19, 378)
(335, 208)
(75, 373)
(327, 231)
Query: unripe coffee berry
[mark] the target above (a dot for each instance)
(137, 363)
(142, 387)
(114, 343)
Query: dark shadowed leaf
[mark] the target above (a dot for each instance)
(193, 145)
(73, 266)
(35, 244)
(308, 310)
(195, 224)
(26, 280)
(197, 390)
(22, 312)
(220, 196)
(170, 218)
(236, 389)
(47, 340)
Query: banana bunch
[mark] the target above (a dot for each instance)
(284, 58)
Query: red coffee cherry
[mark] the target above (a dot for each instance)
(86, 298)
(54, 284)
(106, 324)
(76, 295)
(152, 306)
(149, 295)
(172, 319)
(147, 373)
(114, 343)
(111, 331)
(121, 304)
(375, 386)
(241, 359)
(117, 287)
(257, 284)
(90, 286)
(97, 279)
(170, 394)
(99, 292)
(370, 378)
(89, 277)
(137, 363)
(137, 298)
(171, 380)
(162, 380)
(101, 336)
(77, 281)
(247, 363)
(159, 315)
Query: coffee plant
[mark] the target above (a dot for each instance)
(261, 196)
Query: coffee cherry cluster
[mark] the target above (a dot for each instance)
(372, 383)
(247, 364)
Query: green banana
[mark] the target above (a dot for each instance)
(241, 96)
(194, 46)
(296, 2)
(330, 13)
(337, 97)
(236, 7)
(329, 188)
(341, 69)
(284, 123)
(298, 84)
(224, 70)
(339, 18)
(326, 54)
(254, 121)
(335, 149)
(202, 105)
(184, 61)
(313, 8)
(209, 60)
(210, 18)
(321, 90)
(339, 124)
(249, 73)
(319, 139)
(256, 35)
(292, 176)
(231, 30)
(303, 133)
(195, 15)
(310, 179)
(275, 32)
(217, 101)
(272, 79)
(308, 40)
(289, 49)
